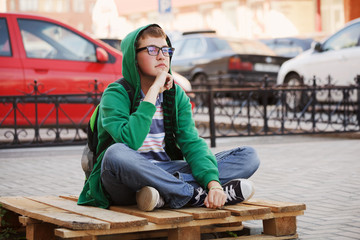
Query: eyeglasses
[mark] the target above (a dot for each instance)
(154, 50)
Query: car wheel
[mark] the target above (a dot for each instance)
(296, 100)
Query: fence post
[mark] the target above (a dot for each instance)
(212, 117)
(357, 80)
(265, 102)
(37, 138)
(16, 135)
(313, 111)
(57, 133)
(96, 93)
(283, 109)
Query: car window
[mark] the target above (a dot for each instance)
(283, 49)
(5, 49)
(349, 37)
(191, 48)
(47, 40)
(221, 44)
(251, 47)
(177, 45)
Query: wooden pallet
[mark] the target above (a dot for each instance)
(51, 217)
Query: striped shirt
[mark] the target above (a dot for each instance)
(154, 144)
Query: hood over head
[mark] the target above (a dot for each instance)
(129, 62)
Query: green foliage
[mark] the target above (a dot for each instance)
(232, 234)
(2, 214)
(7, 233)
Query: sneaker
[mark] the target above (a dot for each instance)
(198, 197)
(148, 198)
(238, 190)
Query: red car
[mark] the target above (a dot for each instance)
(60, 58)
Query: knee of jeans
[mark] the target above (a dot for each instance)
(112, 154)
(249, 158)
(253, 159)
(113, 149)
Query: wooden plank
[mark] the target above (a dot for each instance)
(70, 197)
(204, 213)
(26, 220)
(185, 233)
(262, 237)
(277, 206)
(40, 231)
(247, 210)
(159, 216)
(116, 219)
(50, 214)
(222, 228)
(136, 235)
(280, 226)
(67, 233)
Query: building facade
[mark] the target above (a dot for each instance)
(77, 13)
(242, 18)
(233, 18)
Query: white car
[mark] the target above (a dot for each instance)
(338, 56)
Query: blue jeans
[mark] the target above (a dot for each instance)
(125, 171)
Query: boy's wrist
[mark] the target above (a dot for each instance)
(213, 184)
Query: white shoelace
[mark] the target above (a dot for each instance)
(230, 193)
(200, 191)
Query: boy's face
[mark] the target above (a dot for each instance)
(150, 66)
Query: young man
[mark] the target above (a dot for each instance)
(153, 134)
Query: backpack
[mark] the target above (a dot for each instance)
(89, 156)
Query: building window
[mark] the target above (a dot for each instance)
(28, 5)
(12, 5)
(78, 5)
(59, 5)
(49, 6)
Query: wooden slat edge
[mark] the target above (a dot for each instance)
(123, 219)
(247, 210)
(277, 206)
(70, 197)
(50, 214)
(159, 216)
(204, 213)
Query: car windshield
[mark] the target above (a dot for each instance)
(46, 40)
(251, 47)
(349, 37)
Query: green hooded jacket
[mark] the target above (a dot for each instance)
(115, 121)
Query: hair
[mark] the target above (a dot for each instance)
(152, 31)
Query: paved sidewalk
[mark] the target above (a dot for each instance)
(323, 173)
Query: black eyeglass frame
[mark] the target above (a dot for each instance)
(166, 54)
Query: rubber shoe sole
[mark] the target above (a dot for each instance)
(147, 198)
(238, 190)
(248, 189)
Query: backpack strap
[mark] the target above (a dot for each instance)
(130, 90)
(171, 147)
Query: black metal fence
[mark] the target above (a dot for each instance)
(40, 119)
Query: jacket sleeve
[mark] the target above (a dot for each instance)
(116, 120)
(195, 150)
